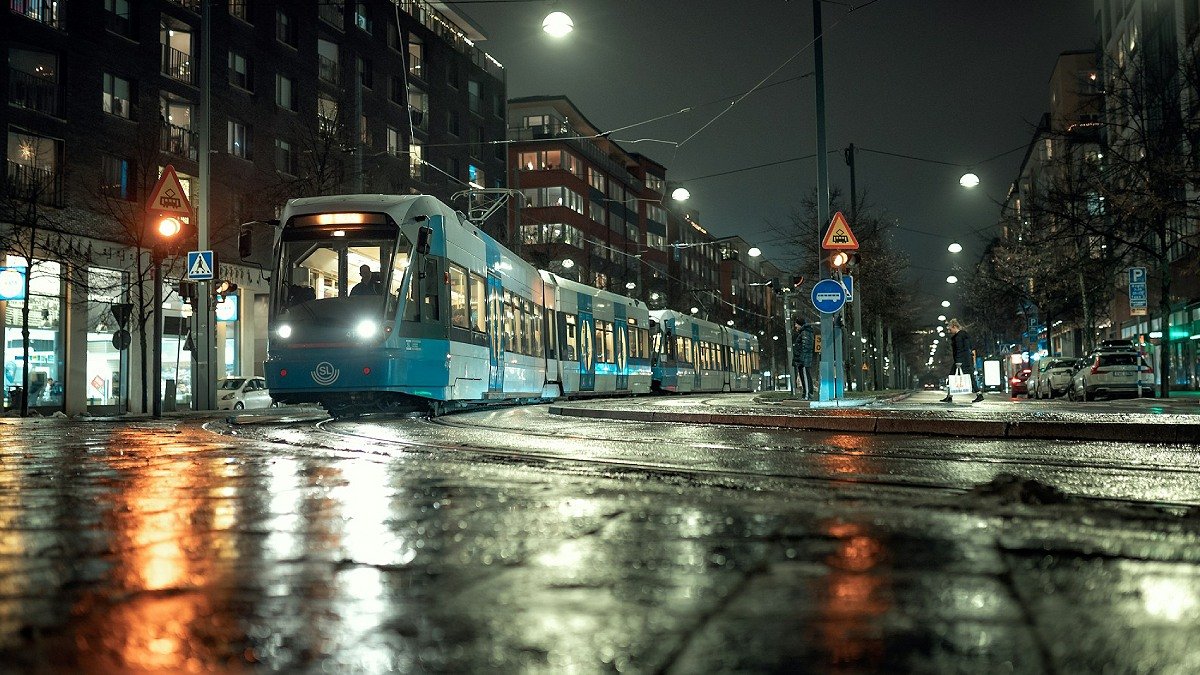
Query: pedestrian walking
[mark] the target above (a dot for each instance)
(804, 344)
(963, 352)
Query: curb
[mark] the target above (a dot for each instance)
(1031, 430)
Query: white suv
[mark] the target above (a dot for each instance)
(1052, 378)
(1113, 373)
(237, 393)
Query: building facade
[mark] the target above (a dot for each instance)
(306, 99)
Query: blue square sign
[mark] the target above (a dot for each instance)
(200, 265)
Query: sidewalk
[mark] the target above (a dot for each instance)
(1175, 420)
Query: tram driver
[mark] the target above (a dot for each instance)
(369, 283)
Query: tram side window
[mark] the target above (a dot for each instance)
(683, 349)
(509, 323)
(569, 338)
(535, 334)
(430, 308)
(458, 297)
(478, 298)
(521, 319)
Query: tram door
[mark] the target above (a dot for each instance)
(587, 347)
(495, 332)
(697, 370)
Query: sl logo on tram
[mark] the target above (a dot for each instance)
(325, 374)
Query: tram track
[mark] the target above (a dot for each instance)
(848, 487)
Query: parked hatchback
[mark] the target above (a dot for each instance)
(1052, 377)
(238, 393)
(1113, 373)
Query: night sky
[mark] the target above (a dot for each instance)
(955, 81)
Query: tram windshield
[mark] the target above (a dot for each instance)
(330, 279)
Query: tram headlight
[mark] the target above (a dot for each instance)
(284, 331)
(366, 329)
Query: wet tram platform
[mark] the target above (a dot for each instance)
(1173, 420)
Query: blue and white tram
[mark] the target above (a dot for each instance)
(694, 355)
(394, 303)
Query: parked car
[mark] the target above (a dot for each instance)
(1112, 373)
(1019, 383)
(1052, 377)
(238, 393)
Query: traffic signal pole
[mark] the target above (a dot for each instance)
(156, 256)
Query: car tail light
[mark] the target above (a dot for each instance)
(1096, 366)
(1015, 380)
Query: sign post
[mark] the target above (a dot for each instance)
(1138, 296)
(829, 297)
(168, 198)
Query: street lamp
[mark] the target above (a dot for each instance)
(945, 303)
(954, 247)
(952, 279)
(695, 310)
(941, 317)
(557, 24)
(629, 285)
(680, 194)
(969, 180)
(567, 264)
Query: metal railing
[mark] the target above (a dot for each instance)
(180, 142)
(416, 66)
(33, 92)
(177, 65)
(327, 69)
(444, 28)
(42, 11)
(33, 184)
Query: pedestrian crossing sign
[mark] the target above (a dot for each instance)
(200, 265)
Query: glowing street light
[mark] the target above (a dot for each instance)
(681, 194)
(557, 24)
(754, 252)
(630, 285)
(945, 303)
(568, 264)
(969, 180)
(954, 247)
(941, 317)
(952, 279)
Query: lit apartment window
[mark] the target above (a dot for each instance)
(33, 167)
(362, 19)
(595, 179)
(239, 9)
(284, 96)
(327, 115)
(655, 183)
(416, 160)
(42, 11)
(416, 56)
(116, 96)
(239, 139)
(239, 71)
(476, 177)
(418, 107)
(118, 179)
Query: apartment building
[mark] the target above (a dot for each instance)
(306, 98)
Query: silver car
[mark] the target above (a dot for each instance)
(1113, 373)
(1051, 378)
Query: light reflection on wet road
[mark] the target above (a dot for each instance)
(164, 547)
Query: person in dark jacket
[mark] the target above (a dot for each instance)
(804, 343)
(963, 352)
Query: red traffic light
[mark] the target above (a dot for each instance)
(168, 227)
(839, 259)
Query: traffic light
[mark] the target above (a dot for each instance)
(187, 291)
(225, 288)
(169, 233)
(838, 260)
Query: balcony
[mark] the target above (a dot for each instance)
(42, 11)
(193, 5)
(33, 184)
(32, 92)
(327, 70)
(332, 13)
(416, 67)
(177, 65)
(180, 142)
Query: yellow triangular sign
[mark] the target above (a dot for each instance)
(168, 195)
(839, 236)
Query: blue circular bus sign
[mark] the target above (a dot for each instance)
(828, 296)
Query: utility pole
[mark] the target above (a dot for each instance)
(829, 366)
(204, 377)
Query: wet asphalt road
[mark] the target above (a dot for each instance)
(513, 540)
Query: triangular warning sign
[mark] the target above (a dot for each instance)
(839, 236)
(168, 195)
(200, 268)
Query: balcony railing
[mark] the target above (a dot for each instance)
(177, 65)
(180, 142)
(327, 69)
(32, 92)
(333, 13)
(33, 184)
(42, 11)
(444, 28)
